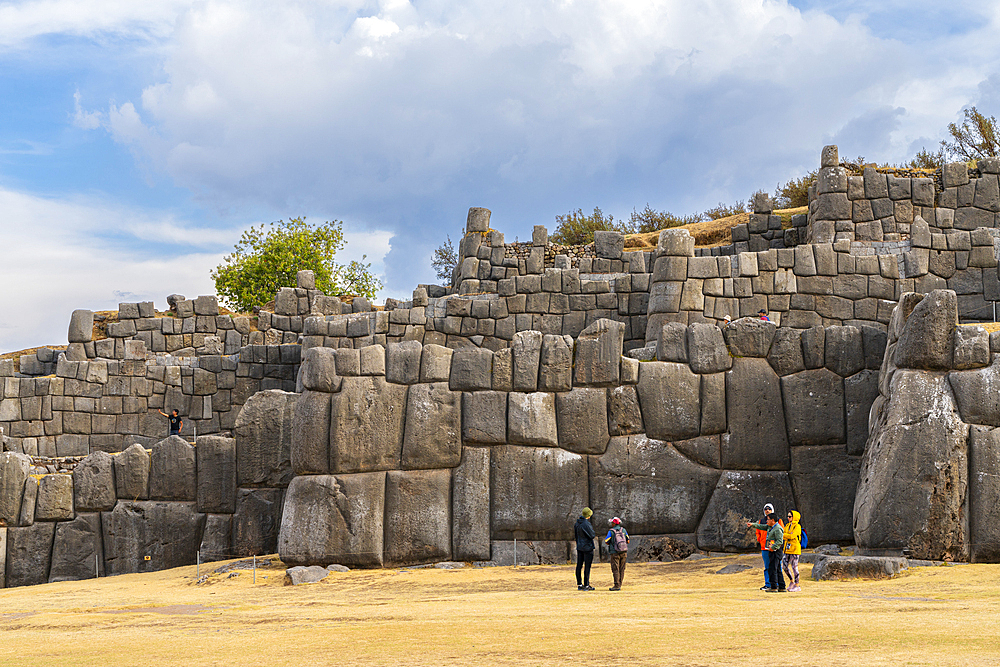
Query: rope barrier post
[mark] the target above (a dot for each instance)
(97, 566)
(197, 567)
(255, 568)
(515, 552)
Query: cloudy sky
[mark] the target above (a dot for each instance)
(138, 139)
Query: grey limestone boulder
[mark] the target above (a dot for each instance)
(256, 521)
(814, 407)
(470, 505)
(484, 417)
(264, 437)
(972, 347)
(927, 338)
(707, 352)
(402, 362)
(860, 391)
(131, 473)
(28, 502)
(555, 366)
(419, 502)
(750, 337)
(472, 369)
(29, 554)
(173, 470)
(857, 567)
(785, 355)
(757, 439)
(526, 350)
(705, 450)
(14, 469)
(598, 354)
(319, 369)
(373, 360)
(824, 480)
(305, 574)
(609, 244)
(55, 498)
(366, 425)
(984, 495)
(624, 415)
(844, 352)
(77, 550)
(216, 465)
(671, 345)
(217, 538)
(531, 419)
(435, 363)
(713, 404)
(914, 473)
(310, 446)
(738, 498)
(334, 519)
(670, 399)
(582, 420)
(432, 435)
(814, 347)
(537, 492)
(675, 242)
(81, 326)
(168, 532)
(651, 485)
(976, 394)
(94, 483)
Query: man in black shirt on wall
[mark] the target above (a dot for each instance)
(176, 423)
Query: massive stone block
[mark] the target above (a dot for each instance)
(14, 469)
(484, 417)
(927, 339)
(172, 470)
(670, 398)
(418, 503)
(216, 459)
(624, 415)
(526, 349)
(598, 354)
(366, 425)
(738, 498)
(402, 362)
(984, 495)
(216, 539)
(531, 419)
(94, 483)
(168, 532)
(29, 553)
(81, 326)
(914, 473)
(264, 439)
(656, 488)
(750, 337)
(707, 352)
(537, 493)
(333, 519)
(976, 393)
(757, 439)
(860, 391)
(55, 498)
(814, 407)
(256, 521)
(432, 436)
(310, 447)
(824, 480)
(555, 366)
(131, 473)
(713, 404)
(3, 557)
(319, 370)
(77, 550)
(28, 501)
(582, 419)
(472, 369)
(470, 505)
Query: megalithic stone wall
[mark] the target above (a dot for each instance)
(929, 478)
(418, 453)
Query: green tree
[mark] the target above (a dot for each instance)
(267, 257)
(444, 260)
(977, 136)
(651, 220)
(575, 228)
(795, 192)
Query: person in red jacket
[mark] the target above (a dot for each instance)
(764, 553)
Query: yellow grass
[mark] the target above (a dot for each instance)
(667, 614)
(711, 232)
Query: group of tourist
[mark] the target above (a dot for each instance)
(780, 548)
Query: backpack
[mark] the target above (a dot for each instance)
(619, 541)
(804, 541)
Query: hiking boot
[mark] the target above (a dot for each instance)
(588, 587)
(770, 590)
(782, 590)
(615, 588)
(765, 588)
(579, 587)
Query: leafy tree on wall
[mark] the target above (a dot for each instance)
(444, 260)
(268, 256)
(976, 137)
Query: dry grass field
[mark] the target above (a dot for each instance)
(667, 614)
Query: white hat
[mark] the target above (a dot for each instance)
(769, 508)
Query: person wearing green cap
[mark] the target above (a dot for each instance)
(584, 549)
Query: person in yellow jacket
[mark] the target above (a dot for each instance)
(792, 550)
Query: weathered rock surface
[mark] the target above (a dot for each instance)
(168, 532)
(334, 519)
(305, 574)
(670, 398)
(173, 470)
(860, 391)
(624, 415)
(750, 337)
(648, 481)
(484, 417)
(984, 495)
(29, 552)
(310, 447)
(757, 438)
(216, 461)
(14, 469)
(419, 504)
(432, 436)
(857, 567)
(256, 521)
(927, 340)
(976, 393)
(536, 492)
(824, 480)
(598, 354)
(814, 407)
(531, 419)
(582, 420)
(131, 473)
(55, 498)
(737, 498)
(366, 425)
(264, 437)
(470, 505)
(217, 537)
(77, 551)
(94, 483)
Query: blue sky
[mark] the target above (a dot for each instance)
(137, 140)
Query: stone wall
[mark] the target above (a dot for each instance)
(426, 453)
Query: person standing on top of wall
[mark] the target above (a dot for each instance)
(762, 314)
(176, 423)
(617, 541)
(792, 550)
(584, 549)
